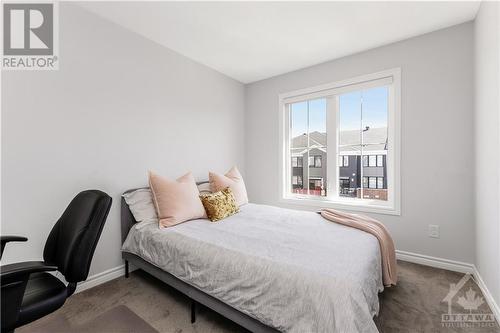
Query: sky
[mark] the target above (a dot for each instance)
(373, 102)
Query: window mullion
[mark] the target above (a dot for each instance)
(332, 151)
(288, 169)
(361, 196)
(308, 154)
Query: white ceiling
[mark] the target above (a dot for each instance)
(251, 41)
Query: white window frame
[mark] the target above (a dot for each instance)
(331, 91)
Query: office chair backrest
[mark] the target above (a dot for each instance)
(72, 241)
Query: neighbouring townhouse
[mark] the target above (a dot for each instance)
(361, 162)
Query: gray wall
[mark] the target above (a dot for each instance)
(487, 141)
(118, 106)
(437, 103)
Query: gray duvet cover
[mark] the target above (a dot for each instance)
(291, 270)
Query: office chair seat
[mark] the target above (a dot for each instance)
(44, 294)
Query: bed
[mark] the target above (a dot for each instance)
(266, 268)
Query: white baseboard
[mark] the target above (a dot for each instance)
(101, 278)
(451, 265)
(487, 295)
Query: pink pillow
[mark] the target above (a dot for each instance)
(176, 201)
(231, 179)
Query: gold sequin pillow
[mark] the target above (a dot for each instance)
(219, 205)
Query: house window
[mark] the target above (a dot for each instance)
(345, 186)
(355, 121)
(297, 180)
(373, 182)
(316, 185)
(380, 182)
(315, 161)
(372, 160)
(380, 160)
(296, 162)
(343, 161)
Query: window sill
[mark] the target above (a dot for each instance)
(352, 205)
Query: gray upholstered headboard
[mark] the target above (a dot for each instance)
(127, 219)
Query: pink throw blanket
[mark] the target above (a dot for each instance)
(377, 229)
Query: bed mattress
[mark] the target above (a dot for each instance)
(291, 270)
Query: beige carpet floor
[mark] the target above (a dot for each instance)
(414, 305)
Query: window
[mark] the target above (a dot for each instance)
(356, 122)
(380, 182)
(373, 182)
(296, 162)
(345, 186)
(372, 160)
(297, 180)
(344, 161)
(315, 161)
(316, 184)
(380, 160)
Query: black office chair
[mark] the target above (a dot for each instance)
(28, 291)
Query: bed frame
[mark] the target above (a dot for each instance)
(196, 295)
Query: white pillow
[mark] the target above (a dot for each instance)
(204, 188)
(140, 203)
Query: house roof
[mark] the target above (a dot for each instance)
(374, 139)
